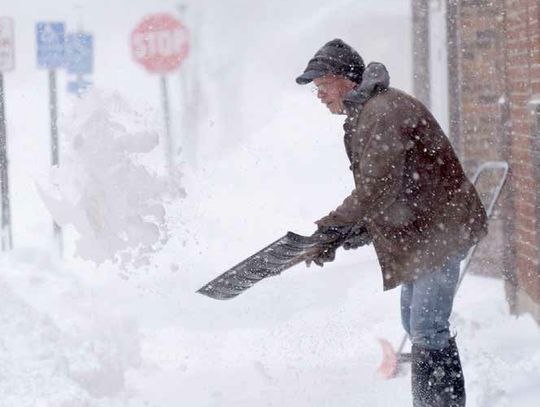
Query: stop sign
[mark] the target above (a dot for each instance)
(160, 43)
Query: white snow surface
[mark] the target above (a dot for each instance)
(117, 322)
(76, 336)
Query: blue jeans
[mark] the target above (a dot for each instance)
(426, 305)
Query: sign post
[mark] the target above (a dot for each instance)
(166, 115)
(160, 44)
(50, 56)
(7, 63)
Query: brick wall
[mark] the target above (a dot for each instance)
(494, 95)
(476, 66)
(499, 58)
(478, 56)
(522, 83)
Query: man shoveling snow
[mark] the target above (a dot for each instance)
(411, 199)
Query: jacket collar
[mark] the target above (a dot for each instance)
(375, 80)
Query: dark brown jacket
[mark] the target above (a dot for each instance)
(411, 192)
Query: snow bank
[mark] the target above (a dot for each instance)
(111, 184)
(57, 355)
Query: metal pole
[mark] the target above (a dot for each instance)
(7, 242)
(54, 143)
(190, 87)
(167, 118)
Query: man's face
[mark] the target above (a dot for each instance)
(331, 89)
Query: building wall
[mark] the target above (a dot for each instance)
(420, 28)
(494, 93)
(476, 42)
(479, 79)
(499, 62)
(523, 87)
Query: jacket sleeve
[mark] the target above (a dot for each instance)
(378, 174)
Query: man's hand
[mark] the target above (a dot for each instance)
(331, 233)
(358, 237)
(332, 237)
(326, 254)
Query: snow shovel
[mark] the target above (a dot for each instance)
(275, 258)
(392, 359)
(279, 256)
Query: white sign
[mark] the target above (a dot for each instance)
(7, 44)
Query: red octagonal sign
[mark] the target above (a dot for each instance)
(160, 43)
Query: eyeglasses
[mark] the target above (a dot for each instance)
(322, 87)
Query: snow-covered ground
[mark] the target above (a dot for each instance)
(102, 328)
(76, 336)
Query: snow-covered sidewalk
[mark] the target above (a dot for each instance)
(77, 336)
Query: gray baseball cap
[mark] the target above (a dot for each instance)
(335, 57)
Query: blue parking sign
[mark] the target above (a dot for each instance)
(78, 86)
(50, 45)
(78, 54)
